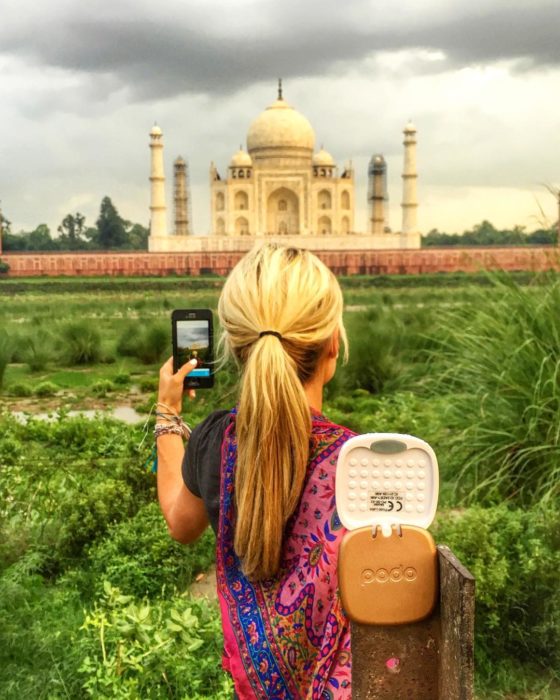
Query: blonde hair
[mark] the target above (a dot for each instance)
(292, 292)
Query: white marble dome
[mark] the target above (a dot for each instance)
(280, 126)
(241, 159)
(323, 159)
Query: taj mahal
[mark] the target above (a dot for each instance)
(282, 188)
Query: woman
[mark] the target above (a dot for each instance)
(263, 476)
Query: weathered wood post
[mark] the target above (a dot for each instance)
(428, 660)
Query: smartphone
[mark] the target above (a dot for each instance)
(193, 338)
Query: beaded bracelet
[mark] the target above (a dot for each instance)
(172, 423)
(162, 429)
(168, 422)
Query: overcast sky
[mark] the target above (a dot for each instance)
(82, 84)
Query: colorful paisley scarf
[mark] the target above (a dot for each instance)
(288, 637)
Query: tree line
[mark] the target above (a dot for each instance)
(486, 234)
(111, 231)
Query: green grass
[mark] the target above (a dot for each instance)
(429, 356)
(501, 359)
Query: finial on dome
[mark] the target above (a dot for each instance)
(280, 89)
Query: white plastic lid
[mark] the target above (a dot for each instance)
(386, 479)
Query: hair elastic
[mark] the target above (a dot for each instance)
(270, 333)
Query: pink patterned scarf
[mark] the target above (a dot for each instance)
(288, 637)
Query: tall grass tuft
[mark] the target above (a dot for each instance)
(148, 342)
(37, 350)
(6, 350)
(388, 349)
(501, 362)
(373, 362)
(80, 343)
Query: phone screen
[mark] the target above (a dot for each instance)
(193, 342)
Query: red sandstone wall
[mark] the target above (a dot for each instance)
(386, 262)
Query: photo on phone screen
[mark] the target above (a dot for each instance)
(192, 340)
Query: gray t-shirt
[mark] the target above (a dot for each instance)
(202, 462)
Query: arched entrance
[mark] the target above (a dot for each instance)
(325, 225)
(241, 226)
(282, 212)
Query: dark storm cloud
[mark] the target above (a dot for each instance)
(529, 33)
(207, 48)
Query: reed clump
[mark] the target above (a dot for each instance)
(500, 360)
(80, 343)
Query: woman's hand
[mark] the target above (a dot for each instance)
(170, 391)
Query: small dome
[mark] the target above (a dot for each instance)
(241, 159)
(410, 128)
(155, 130)
(280, 126)
(323, 159)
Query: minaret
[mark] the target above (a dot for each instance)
(158, 222)
(410, 176)
(376, 193)
(182, 223)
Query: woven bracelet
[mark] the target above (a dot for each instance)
(169, 428)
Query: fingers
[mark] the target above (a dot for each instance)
(167, 367)
(186, 368)
(182, 372)
(191, 394)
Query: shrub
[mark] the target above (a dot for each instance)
(102, 387)
(501, 362)
(78, 478)
(81, 343)
(44, 389)
(515, 557)
(139, 555)
(132, 649)
(87, 514)
(39, 626)
(20, 389)
(4, 268)
(121, 379)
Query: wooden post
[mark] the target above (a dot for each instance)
(428, 660)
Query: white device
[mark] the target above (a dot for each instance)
(386, 479)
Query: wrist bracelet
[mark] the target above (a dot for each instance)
(167, 429)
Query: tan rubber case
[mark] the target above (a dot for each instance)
(388, 580)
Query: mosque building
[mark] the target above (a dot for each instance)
(282, 188)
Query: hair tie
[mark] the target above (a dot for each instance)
(270, 333)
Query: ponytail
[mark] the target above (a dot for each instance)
(279, 308)
(273, 428)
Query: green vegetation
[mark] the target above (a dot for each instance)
(81, 342)
(502, 363)
(485, 234)
(514, 555)
(6, 351)
(94, 595)
(110, 232)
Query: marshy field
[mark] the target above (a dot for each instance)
(97, 601)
